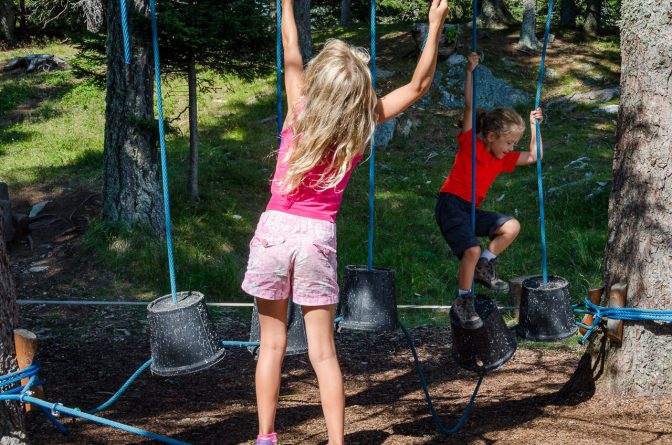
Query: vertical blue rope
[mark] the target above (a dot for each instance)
(423, 383)
(124, 31)
(474, 45)
(162, 141)
(537, 102)
(373, 140)
(278, 61)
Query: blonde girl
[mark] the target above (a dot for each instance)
(333, 111)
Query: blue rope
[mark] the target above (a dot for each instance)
(239, 344)
(162, 141)
(58, 408)
(278, 61)
(372, 174)
(617, 313)
(121, 390)
(537, 102)
(474, 45)
(124, 31)
(423, 382)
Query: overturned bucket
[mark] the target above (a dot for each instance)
(180, 335)
(296, 330)
(368, 299)
(546, 310)
(487, 347)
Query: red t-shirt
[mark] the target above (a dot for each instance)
(488, 167)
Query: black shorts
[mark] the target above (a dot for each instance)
(453, 215)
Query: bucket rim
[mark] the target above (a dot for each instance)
(365, 268)
(191, 368)
(563, 281)
(185, 299)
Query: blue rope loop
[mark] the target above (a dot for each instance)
(162, 141)
(423, 382)
(124, 31)
(537, 103)
(372, 160)
(617, 313)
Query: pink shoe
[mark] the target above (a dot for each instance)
(267, 439)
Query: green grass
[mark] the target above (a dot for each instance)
(62, 139)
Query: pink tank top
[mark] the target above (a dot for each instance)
(306, 201)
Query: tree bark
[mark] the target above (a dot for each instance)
(7, 20)
(639, 242)
(194, 138)
(302, 17)
(568, 12)
(22, 17)
(592, 25)
(494, 13)
(346, 13)
(528, 37)
(131, 187)
(11, 413)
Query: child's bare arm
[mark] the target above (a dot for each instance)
(292, 55)
(472, 63)
(398, 100)
(527, 158)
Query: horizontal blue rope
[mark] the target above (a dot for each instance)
(58, 408)
(239, 344)
(617, 313)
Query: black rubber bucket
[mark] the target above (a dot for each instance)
(296, 330)
(367, 301)
(487, 347)
(180, 335)
(546, 310)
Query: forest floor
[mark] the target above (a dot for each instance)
(87, 352)
(51, 149)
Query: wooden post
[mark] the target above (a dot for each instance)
(516, 291)
(617, 298)
(25, 343)
(595, 297)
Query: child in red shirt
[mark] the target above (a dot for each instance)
(498, 131)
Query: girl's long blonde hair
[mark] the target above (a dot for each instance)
(337, 118)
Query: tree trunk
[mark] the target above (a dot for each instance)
(302, 17)
(639, 242)
(527, 33)
(194, 138)
(7, 20)
(11, 413)
(346, 13)
(568, 12)
(131, 187)
(494, 13)
(592, 25)
(22, 17)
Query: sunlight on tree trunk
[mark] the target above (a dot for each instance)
(528, 38)
(11, 413)
(639, 240)
(131, 186)
(194, 138)
(7, 20)
(593, 21)
(494, 13)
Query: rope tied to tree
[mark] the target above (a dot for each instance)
(617, 313)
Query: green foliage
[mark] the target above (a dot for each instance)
(227, 37)
(451, 35)
(62, 140)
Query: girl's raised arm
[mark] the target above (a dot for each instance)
(472, 63)
(402, 98)
(292, 56)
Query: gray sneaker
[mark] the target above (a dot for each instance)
(463, 309)
(486, 274)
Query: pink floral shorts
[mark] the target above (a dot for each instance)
(295, 255)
